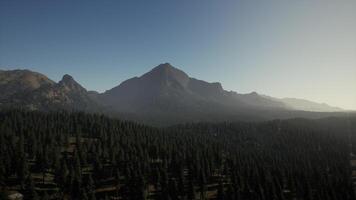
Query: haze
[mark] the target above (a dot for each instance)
(304, 49)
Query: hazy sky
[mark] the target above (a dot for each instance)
(303, 48)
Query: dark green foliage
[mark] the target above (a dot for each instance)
(94, 157)
(3, 196)
(220, 193)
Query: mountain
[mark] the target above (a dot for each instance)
(15, 82)
(166, 89)
(305, 105)
(32, 90)
(168, 86)
(302, 104)
(164, 95)
(168, 94)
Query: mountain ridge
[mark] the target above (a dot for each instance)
(45, 94)
(165, 93)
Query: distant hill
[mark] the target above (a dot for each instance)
(34, 91)
(305, 105)
(164, 95)
(302, 104)
(15, 82)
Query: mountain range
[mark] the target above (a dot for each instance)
(164, 95)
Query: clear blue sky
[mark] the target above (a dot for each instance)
(304, 48)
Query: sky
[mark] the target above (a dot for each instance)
(304, 49)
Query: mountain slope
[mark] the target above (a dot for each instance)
(27, 89)
(305, 105)
(161, 93)
(166, 92)
(301, 104)
(16, 82)
(164, 95)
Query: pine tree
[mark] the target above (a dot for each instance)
(45, 196)
(191, 191)
(23, 171)
(220, 193)
(30, 188)
(173, 191)
(181, 187)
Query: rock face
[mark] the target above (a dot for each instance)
(13, 83)
(31, 90)
(164, 95)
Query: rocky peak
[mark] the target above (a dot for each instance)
(67, 78)
(69, 83)
(166, 74)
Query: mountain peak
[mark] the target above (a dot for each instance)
(23, 78)
(69, 83)
(67, 78)
(164, 67)
(165, 73)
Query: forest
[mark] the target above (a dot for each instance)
(75, 155)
